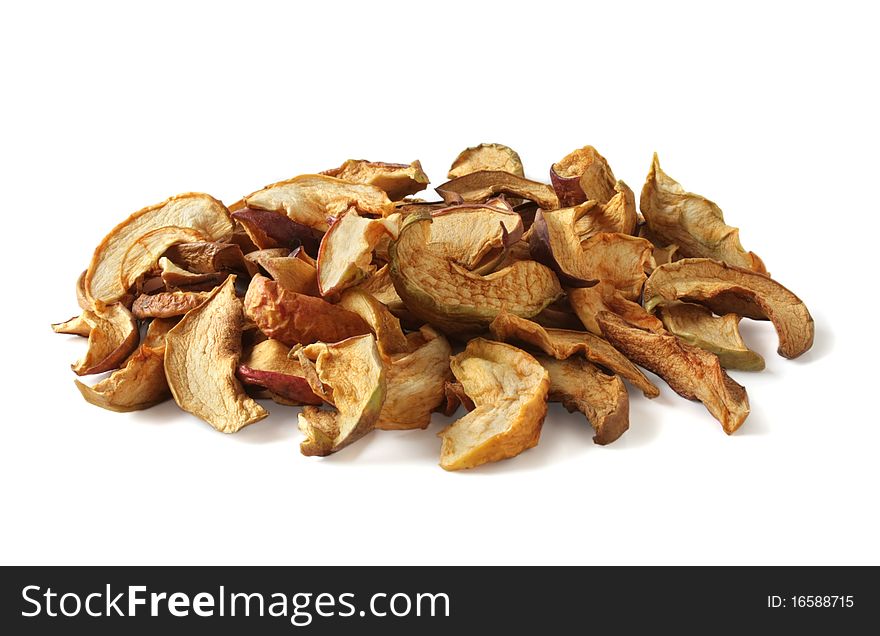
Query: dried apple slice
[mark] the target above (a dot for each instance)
(201, 213)
(207, 257)
(272, 228)
(580, 386)
(617, 215)
(455, 300)
(143, 255)
(481, 186)
(588, 302)
(311, 199)
(346, 252)
(176, 277)
(296, 318)
(201, 355)
(415, 383)
(486, 157)
(692, 222)
(389, 335)
(167, 304)
(76, 326)
(691, 372)
(381, 287)
(140, 383)
(476, 236)
(398, 180)
(113, 336)
(563, 344)
(727, 289)
(292, 273)
(267, 364)
(455, 397)
(720, 335)
(354, 370)
(582, 175)
(509, 390)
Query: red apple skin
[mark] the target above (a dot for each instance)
(291, 387)
(568, 189)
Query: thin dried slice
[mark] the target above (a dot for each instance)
(381, 287)
(167, 304)
(563, 344)
(727, 289)
(143, 255)
(346, 252)
(272, 228)
(617, 215)
(113, 336)
(697, 325)
(389, 335)
(267, 364)
(199, 212)
(206, 257)
(559, 315)
(416, 383)
(476, 236)
(81, 298)
(140, 383)
(509, 389)
(311, 199)
(691, 372)
(580, 386)
(201, 355)
(455, 300)
(176, 277)
(455, 397)
(292, 273)
(588, 302)
(296, 318)
(481, 186)
(76, 326)
(486, 157)
(692, 222)
(354, 370)
(582, 175)
(398, 180)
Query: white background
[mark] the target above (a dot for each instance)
(770, 109)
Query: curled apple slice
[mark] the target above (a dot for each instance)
(509, 390)
(202, 214)
(354, 370)
(207, 257)
(486, 157)
(727, 289)
(270, 228)
(201, 355)
(113, 336)
(292, 273)
(176, 277)
(588, 302)
(144, 254)
(398, 180)
(582, 175)
(267, 364)
(476, 236)
(76, 326)
(140, 383)
(389, 335)
(617, 215)
(311, 199)
(478, 187)
(167, 304)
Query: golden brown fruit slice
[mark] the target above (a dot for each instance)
(140, 383)
(481, 186)
(353, 369)
(144, 254)
(201, 213)
(311, 199)
(273, 228)
(76, 326)
(582, 175)
(416, 383)
(486, 157)
(455, 300)
(580, 386)
(398, 180)
(389, 335)
(167, 304)
(588, 302)
(720, 335)
(727, 289)
(113, 336)
(455, 397)
(346, 252)
(691, 372)
(296, 318)
(176, 277)
(476, 236)
(206, 257)
(617, 215)
(201, 355)
(267, 364)
(509, 389)
(692, 222)
(292, 273)
(563, 344)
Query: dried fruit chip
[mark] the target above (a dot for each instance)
(198, 212)
(144, 254)
(455, 397)
(476, 236)
(271, 228)
(582, 175)
(176, 277)
(689, 371)
(311, 199)
(481, 186)
(389, 336)
(727, 289)
(201, 355)
(720, 335)
(292, 273)
(113, 336)
(398, 180)
(354, 370)
(167, 304)
(509, 389)
(692, 222)
(76, 326)
(140, 383)
(563, 344)
(267, 365)
(588, 302)
(580, 386)
(617, 215)
(486, 157)
(346, 252)
(455, 300)
(206, 257)
(296, 318)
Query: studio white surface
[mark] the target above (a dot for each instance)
(770, 109)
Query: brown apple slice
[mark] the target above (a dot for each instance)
(113, 336)
(167, 304)
(398, 180)
(582, 175)
(588, 302)
(267, 364)
(481, 186)
(476, 236)
(271, 228)
(176, 277)
(389, 335)
(207, 257)
(496, 157)
(143, 255)
(617, 215)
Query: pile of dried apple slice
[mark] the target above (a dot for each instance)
(339, 293)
